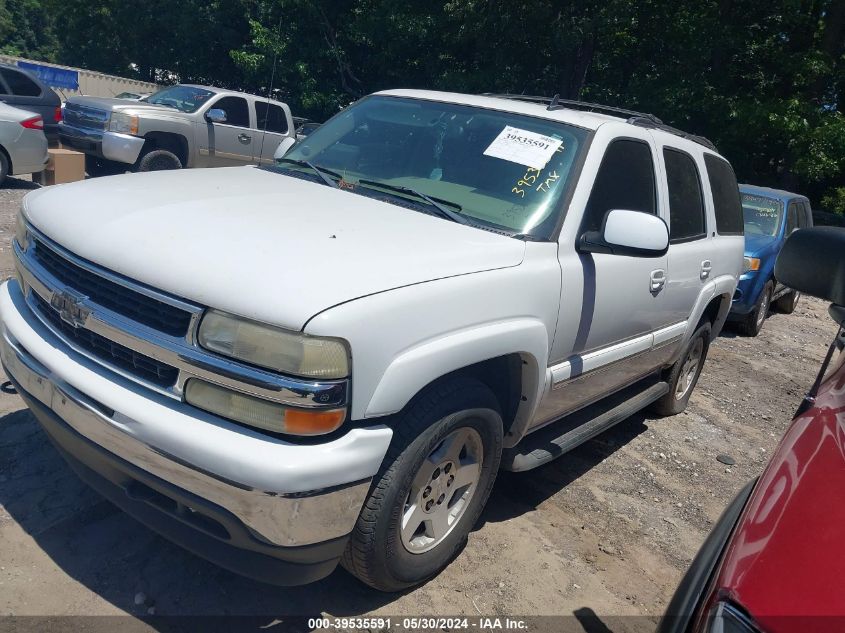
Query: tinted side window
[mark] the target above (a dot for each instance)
(686, 202)
(19, 84)
(625, 181)
(276, 122)
(805, 219)
(725, 195)
(237, 110)
(792, 221)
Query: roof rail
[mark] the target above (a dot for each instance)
(640, 119)
(556, 103)
(647, 123)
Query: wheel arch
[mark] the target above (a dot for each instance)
(510, 358)
(713, 306)
(170, 141)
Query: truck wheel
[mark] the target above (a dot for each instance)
(753, 323)
(159, 160)
(787, 303)
(431, 489)
(684, 374)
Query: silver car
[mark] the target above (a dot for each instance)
(23, 146)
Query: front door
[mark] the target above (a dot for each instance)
(610, 304)
(230, 143)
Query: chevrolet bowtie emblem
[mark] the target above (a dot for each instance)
(69, 306)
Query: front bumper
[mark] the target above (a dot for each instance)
(225, 492)
(122, 148)
(745, 297)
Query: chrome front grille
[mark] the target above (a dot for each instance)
(149, 369)
(84, 116)
(114, 296)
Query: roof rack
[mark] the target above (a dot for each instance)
(556, 103)
(701, 140)
(640, 119)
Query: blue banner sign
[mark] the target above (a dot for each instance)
(53, 77)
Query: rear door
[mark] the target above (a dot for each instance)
(690, 242)
(230, 143)
(271, 130)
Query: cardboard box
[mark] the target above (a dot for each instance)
(65, 165)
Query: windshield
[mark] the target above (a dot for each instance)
(498, 169)
(762, 215)
(184, 98)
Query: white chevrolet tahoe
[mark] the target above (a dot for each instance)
(329, 359)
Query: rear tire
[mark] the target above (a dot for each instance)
(753, 323)
(787, 303)
(431, 488)
(159, 160)
(684, 374)
(4, 166)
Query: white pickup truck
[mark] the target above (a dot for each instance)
(329, 359)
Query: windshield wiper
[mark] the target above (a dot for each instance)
(437, 203)
(320, 171)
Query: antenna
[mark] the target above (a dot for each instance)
(269, 93)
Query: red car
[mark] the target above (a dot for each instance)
(775, 562)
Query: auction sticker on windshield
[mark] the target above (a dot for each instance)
(523, 147)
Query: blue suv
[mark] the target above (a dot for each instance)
(770, 216)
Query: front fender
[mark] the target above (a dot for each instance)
(417, 367)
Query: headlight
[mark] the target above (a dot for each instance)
(274, 348)
(21, 232)
(123, 123)
(261, 413)
(750, 263)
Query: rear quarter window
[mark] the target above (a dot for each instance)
(726, 201)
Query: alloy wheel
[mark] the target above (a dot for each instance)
(689, 369)
(442, 490)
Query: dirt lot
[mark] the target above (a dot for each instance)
(606, 530)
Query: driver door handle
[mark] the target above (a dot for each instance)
(706, 269)
(244, 138)
(658, 280)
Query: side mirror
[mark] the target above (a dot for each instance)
(632, 233)
(812, 261)
(216, 115)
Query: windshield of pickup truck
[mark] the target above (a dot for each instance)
(183, 98)
(496, 169)
(762, 215)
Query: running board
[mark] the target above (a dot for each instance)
(559, 437)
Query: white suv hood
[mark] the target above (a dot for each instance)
(263, 245)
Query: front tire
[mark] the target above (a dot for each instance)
(753, 323)
(684, 374)
(431, 489)
(159, 160)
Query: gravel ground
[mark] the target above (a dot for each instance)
(605, 531)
